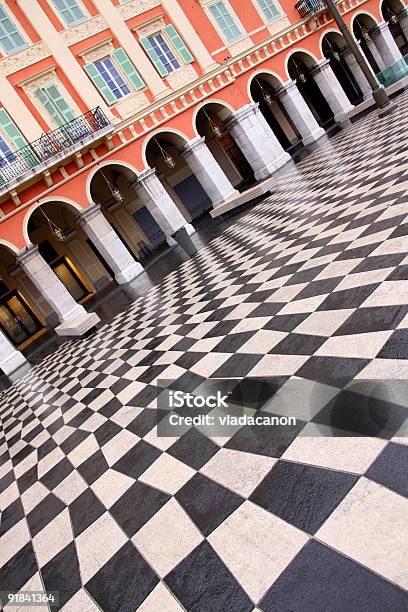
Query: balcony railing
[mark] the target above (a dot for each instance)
(306, 8)
(59, 142)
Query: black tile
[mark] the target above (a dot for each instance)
(144, 397)
(74, 440)
(391, 468)
(84, 511)
(137, 459)
(111, 407)
(232, 342)
(302, 495)
(286, 322)
(321, 579)
(319, 287)
(44, 513)
(378, 262)
(11, 515)
(396, 346)
(358, 413)
(348, 298)
(136, 506)
(400, 273)
(207, 503)
(298, 344)
(106, 432)
(202, 583)
(62, 574)
(143, 423)
(93, 467)
(193, 448)
(123, 582)
(56, 474)
(365, 320)
(262, 440)
(267, 309)
(237, 366)
(255, 392)
(337, 371)
(19, 569)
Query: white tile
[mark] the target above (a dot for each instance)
(256, 547)
(315, 446)
(160, 599)
(13, 540)
(33, 496)
(83, 451)
(209, 364)
(97, 544)
(172, 526)
(323, 322)
(364, 278)
(111, 486)
(53, 538)
(396, 369)
(364, 346)
(81, 601)
(70, 488)
(370, 525)
(305, 305)
(241, 472)
(120, 444)
(278, 365)
(388, 293)
(262, 341)
(167, 474)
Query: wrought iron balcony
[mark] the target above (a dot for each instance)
(306, 8)
(52, 147)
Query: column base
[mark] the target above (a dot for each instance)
(11, 362)
(343, 118)
(78, 325)
(184, 240)
(230, 198)
(269, 169)
(129, 273)
(313, 136)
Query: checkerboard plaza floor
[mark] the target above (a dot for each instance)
(312, 284)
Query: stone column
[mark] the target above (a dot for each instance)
(73, 318)
(108, 243)
(403, 20)
(10, 358)
(163, 210)
(357, 73)
(375, 53)
(331, 89)
(256, 140)
(300, 113)
(208, 172)
(385, 43)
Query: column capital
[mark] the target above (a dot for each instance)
(242, 113)
(380, 27)
(88, 213)
(195, 143)
(145, 174)
(321, 66)
(402, 12)
(286, 88)
(29, 253)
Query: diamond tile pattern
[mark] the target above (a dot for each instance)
(310, 284)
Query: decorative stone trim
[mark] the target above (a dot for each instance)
(151, 26)
(181, 77)
(97, 52)
(278, 25)
(22, 59)
(241, 45)
(38, 80)
(131, 104)
(135, 7)
(84, 30)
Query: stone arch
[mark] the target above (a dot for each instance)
(211, 122)
(311, 58)
(178, 134)
(9, 246)
(301, 66)
(101, 165)
(70, 204)
(361, 24)
(334, 48)
(394, 13)
(263, 89)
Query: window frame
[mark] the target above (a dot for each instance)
(267, 22)
(228, 43)
(171, 49)
(119, 72)
(81, 6)
(17, 26)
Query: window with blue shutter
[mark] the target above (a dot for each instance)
(225, 21)
(70, 11)
(269, 9)
(178, 44)
(17, 140)
(54, 103)
(10, 38)
(161, 54)
(128, 68)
